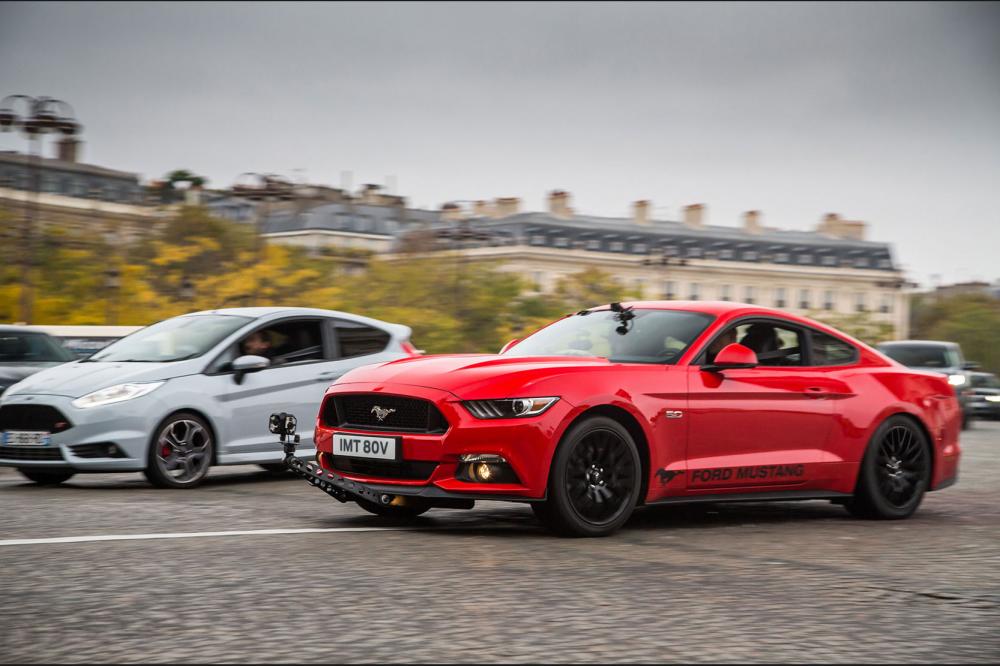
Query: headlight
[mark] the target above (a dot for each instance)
(508, 408)
(993, 398)
(113, 394)
(956, 380)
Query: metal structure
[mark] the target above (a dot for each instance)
(40, 116)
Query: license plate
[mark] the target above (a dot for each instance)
(24, 438)
(363, 446)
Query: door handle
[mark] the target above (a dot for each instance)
(817, 392)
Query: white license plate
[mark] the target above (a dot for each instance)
(24, 438)
(363, 446)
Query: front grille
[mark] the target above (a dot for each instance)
(39, 418)
(411, 470)
(360, 411)
(30, 453)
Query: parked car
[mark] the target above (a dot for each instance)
(658, 402)
(984, 390)
(23, 352)
(83, 341)
(186, 393)
(937, 356)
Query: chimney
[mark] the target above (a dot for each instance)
(559, 204)
(505, 206)
(833, 225)
(68, 149)
(370, 194)
(640, 212)
(694, 215)
(451, 211)
(751, 222)
(481, 208)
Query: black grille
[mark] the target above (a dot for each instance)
(99, 450)
(42, 418)
(413, 470)
(360, 412)
(30, 453)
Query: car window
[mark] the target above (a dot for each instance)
(284, 343)
(828, 350)
(921, 356)
(985, 381)
(774, 345)
(19, 347)
(356, 339)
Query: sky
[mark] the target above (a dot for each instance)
(887, 113)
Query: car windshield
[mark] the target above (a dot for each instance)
(985, 381)
(174, 339)
(922, 356)
(31, 348)
(651, 336)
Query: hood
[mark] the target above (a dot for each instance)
(471, 376)
(12, 373)
(78, 379)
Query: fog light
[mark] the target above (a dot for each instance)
(484, 472)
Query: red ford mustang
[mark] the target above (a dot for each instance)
(641, 403)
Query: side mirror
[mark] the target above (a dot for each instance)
(247, 364)
(731, 357)
(970, 365)
(509, 345)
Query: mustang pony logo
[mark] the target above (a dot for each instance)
(381, 412)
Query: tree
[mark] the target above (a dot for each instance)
(971, 320)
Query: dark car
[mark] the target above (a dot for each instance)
(937, 356)
(24, 352)
(984, 388)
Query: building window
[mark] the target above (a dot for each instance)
(693, 293)
(861, 262)
(639, 248)
(805, 258)
(829, 301)
(538, 239)
(860, 304)
(886, 306)
(593, 244)
(884, 263)
(670, 290)
(725, 292)
(829, 260)
(750, 255)
(669, 251)
(805, 299)
(781, 258)
(694, 252)
(725, 254)
(779, 297)
(561, 241)
(748, 294)
(617, 246)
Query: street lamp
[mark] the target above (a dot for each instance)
(41, 115)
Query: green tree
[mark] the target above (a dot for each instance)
(971, 320)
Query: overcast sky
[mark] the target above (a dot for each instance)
(888, 113)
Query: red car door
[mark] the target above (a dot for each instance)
(764, 427)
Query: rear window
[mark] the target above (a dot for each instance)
(356, 339)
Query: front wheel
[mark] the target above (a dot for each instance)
(895, 472)
(594, 480)
(180, 452)
(46, 477)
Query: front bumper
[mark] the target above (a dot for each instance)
(126, 425)
(527, 444)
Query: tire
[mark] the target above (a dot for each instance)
(180, 452)
(895, 472)
(409, 511)
(966, 422)
(594, 480)
(46, 477)
(274, 468)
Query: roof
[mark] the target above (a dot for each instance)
(351, 217)
(20, 159)
(266, 312)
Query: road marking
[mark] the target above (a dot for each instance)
(191, 535)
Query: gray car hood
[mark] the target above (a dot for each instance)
(80, 378)
(11, 373)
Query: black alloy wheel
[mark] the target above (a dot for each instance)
(594, 480)
(895, 472)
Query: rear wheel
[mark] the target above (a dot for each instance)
(594, 481)
(181, 452)
(46, 477)
(895, 472)
(403, 512)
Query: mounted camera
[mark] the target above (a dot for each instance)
(282, 424)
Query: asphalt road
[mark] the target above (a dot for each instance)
(739, 582)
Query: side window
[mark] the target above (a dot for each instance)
(774, 345)
(285, 343)
(828, 350)
(354, 339)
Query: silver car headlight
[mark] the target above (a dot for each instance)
(508, 408)
(956, 380)
(113, 394)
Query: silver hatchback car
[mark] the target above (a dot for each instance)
(176, 397)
